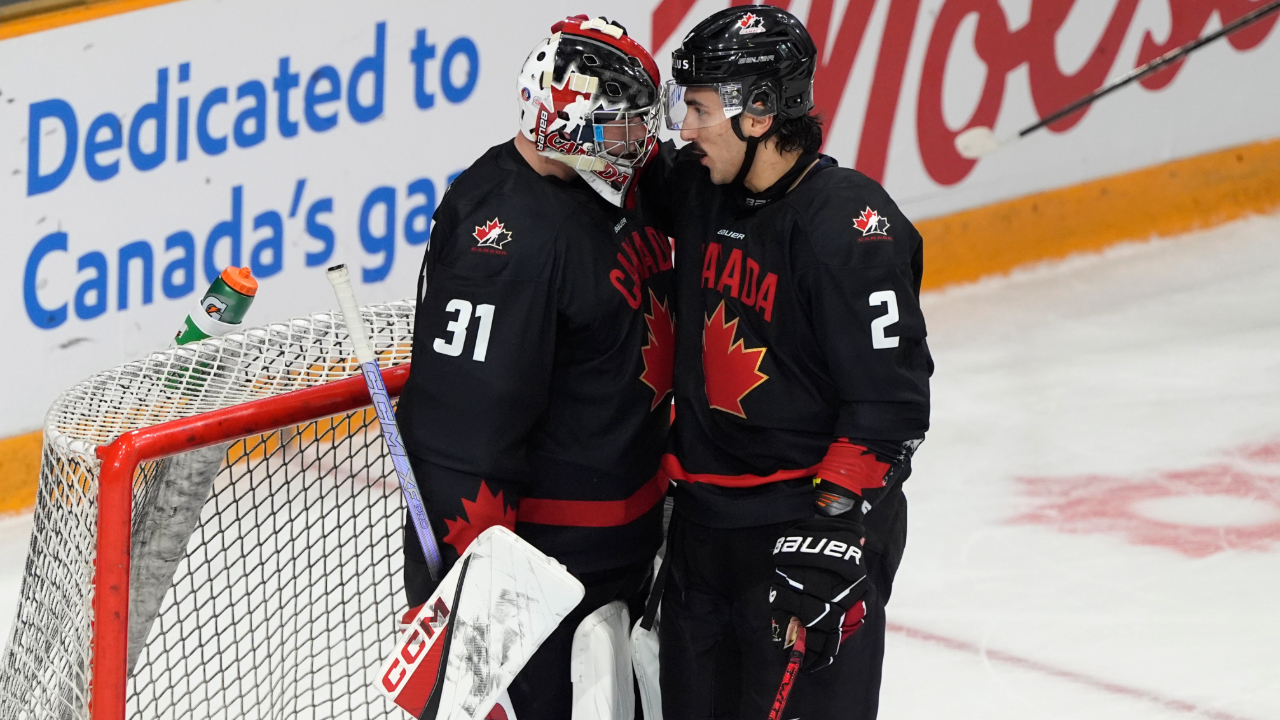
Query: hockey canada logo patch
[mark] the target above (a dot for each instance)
(492, 236)
(873, 225)
(750, 24)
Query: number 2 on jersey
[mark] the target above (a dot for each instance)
(457, 329)
(878, 339)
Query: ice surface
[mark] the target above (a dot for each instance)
(1095, 523)
(1095, 516)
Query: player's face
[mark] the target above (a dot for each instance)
(721, 150)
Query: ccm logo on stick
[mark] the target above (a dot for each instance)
(834, 548)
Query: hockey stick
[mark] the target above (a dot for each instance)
(341, 281)
(978, 141)
(795, 638)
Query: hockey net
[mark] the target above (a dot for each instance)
(264, 568)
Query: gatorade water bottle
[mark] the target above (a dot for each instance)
(225, 303)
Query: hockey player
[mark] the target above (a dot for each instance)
(802, 384)
(539, 394)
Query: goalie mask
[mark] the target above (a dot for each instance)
(589, 98)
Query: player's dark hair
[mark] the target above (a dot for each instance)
(802, 133)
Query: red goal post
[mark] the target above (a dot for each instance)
(120, 461)
(107, 460)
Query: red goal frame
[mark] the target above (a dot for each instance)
(108, 684)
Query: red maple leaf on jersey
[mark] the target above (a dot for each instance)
(870, 222)
(487, 510)
(659, 353)
(492, 234)
(484, 231)
(731, 371)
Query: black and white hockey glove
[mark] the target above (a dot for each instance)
(822, 580)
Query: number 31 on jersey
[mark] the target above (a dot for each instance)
(457, 329)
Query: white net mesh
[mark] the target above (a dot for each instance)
(286, 593)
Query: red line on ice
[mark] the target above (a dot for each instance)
(1036, 666)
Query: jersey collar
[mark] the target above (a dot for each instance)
(805, 167)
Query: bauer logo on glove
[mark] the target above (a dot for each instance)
(820, 580)
(815, 545)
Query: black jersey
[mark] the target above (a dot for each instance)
(800, 340)
(539, 393)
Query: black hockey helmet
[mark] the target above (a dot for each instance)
(760, 57)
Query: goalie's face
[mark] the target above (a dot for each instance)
(624, 136)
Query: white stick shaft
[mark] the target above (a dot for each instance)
(341, 282)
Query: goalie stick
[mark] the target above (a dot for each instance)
(341, 281)
(978, 141)
(463, 647)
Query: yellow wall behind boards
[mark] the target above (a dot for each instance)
(38, 15)
(1168, 199)
(19, 472)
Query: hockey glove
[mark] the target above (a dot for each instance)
(821, 580)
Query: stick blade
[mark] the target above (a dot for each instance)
(976, 142)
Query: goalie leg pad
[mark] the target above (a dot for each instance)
(600, 666)
(492, 623)
(644, 659)
(545, 689)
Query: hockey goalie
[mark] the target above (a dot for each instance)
(539, 396)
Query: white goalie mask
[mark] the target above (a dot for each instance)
(589, 98)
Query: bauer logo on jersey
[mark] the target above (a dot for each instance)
(750, 24)
(492, 236)
(873, 225)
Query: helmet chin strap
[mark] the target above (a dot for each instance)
(753, 144)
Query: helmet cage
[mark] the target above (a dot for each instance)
(622, 136)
